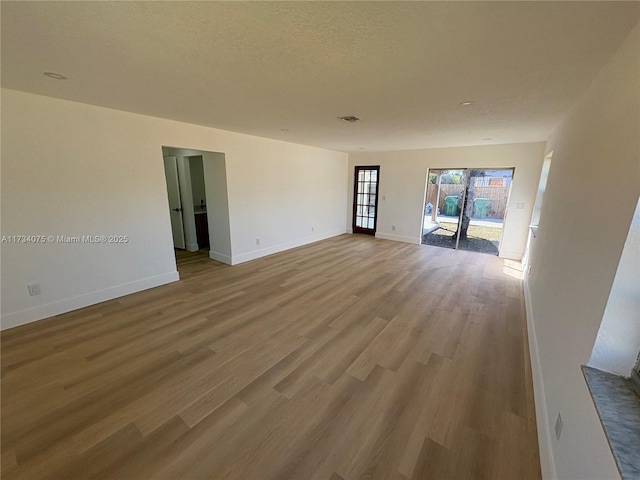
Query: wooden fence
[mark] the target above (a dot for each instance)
(496, 194)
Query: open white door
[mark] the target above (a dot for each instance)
(175, 205)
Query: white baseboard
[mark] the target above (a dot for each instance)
(245, 257)
(192, 247)
(220, 257)
(22, 317)
(398, 238)
(542, 416)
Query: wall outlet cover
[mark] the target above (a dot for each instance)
(34, 289)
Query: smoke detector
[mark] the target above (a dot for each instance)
(350, 118)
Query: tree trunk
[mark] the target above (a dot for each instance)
(465, 202)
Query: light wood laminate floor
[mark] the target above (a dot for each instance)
(347, 358)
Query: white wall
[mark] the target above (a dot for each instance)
(284, 197)
(217, 200)
(575, 256)
(403, 178)
(74, 169)
(618, 341)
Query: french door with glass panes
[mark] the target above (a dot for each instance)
(365, 199)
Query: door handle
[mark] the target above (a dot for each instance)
(179, 209)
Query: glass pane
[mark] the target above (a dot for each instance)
(442, 208)
(484, 209)
(365, 198)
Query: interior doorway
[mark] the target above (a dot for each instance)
(198, 203)
(466, 208)
(186, 191)
(365, 199)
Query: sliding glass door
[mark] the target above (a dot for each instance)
(466, 208)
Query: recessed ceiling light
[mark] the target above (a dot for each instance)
(361, 148)
(350, 118)
(55, 76)
(284, 129)
(466, 103)
(488, 138)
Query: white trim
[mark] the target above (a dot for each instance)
(14, 319)
(398, 238)
(510, 255)
(192, 247)
(220, 257)
(245, 257)
(547, 465)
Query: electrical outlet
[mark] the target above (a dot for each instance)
(34, 289)
(393, 227)
(257, 241)
(520, 206)
(313, 229)
(559, 424)
(529, 269)
(384, 198)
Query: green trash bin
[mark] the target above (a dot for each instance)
(480, 207)
(451, 206)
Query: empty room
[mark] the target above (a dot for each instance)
(328, 240)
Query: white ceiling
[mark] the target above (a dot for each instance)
(259, 67)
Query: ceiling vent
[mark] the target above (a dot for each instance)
(350, 118)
